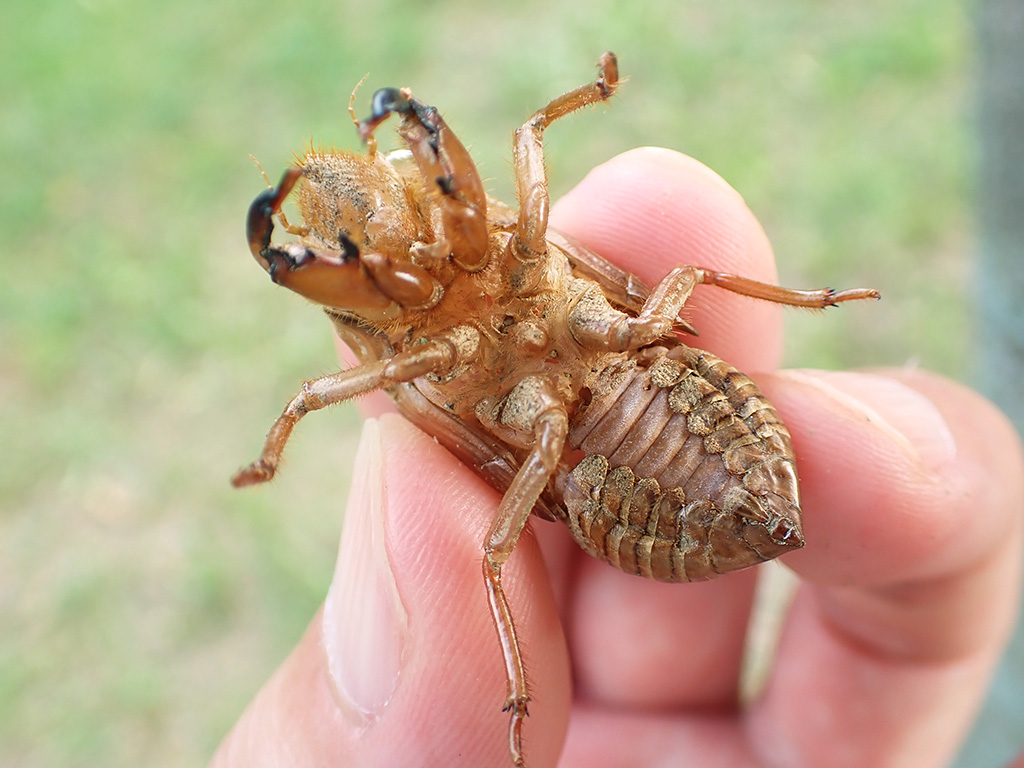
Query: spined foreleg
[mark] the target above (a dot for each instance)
(443, 161)
(344, 277)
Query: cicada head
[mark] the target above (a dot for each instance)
(359, 200)
(361, 224)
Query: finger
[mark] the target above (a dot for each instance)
(913, 491)
(904, 475)
(636, 642)
(649, 210)
(640, 643)
(403, 666)
(599, 738)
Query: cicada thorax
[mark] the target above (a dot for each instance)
(688, 471)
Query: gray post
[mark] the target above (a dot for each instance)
(1000, 300)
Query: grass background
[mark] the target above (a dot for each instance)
(142, 602)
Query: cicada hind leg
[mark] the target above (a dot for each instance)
(538, 411)
(548, 421)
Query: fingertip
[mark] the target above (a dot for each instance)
(904, 475)
(912, 492)
(661, 646)
(668, 205)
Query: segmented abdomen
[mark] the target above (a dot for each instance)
(688, 472)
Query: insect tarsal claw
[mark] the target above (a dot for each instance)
(386, 101)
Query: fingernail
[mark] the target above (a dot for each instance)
(891, 406)
(364, 624)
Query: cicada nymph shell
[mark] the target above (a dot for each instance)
(558, 377)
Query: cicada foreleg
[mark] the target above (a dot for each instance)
(281, 192)
(259, 223)
(530, 241)
(532, 405)
(444, 162)
(435, 356)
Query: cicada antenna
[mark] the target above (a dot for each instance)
(262, 172)
(371, 142)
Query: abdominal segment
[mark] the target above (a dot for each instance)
(688, 472)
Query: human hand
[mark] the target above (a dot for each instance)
(912, 489)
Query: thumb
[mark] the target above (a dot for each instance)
(402, 666)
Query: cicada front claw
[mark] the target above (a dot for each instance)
(384, 102)
(259, 224)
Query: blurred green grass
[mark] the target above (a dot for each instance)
(142, 602)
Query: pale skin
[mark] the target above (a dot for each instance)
(913, 494)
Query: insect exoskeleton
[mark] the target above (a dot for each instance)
(688, 472)
(558, 377)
